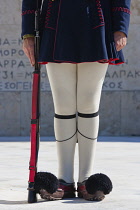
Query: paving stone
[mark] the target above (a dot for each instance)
(119, 160)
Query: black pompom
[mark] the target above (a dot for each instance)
(46, 181)
(98, 182)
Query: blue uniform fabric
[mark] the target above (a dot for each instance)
(76, 31)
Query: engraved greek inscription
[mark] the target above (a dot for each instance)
(28, 75)
(4, 42)
(112, 85)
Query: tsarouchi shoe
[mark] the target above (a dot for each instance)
(47, 186)
(95, 187)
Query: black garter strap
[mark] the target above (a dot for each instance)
(67, 139)
(86, 136)
(88, 115)
(65, 116)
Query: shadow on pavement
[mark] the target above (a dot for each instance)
(6, 202)
(12, 202)
(67, 201)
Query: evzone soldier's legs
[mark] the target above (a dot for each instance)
(63, 82)
(76, 90)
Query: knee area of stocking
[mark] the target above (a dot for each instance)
(65, 127)
(88, 125)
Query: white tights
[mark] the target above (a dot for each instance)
(76, 88)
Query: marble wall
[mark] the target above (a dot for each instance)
(120, 103)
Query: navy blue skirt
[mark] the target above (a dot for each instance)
(76, 32)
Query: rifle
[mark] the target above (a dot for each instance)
(35, 114)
